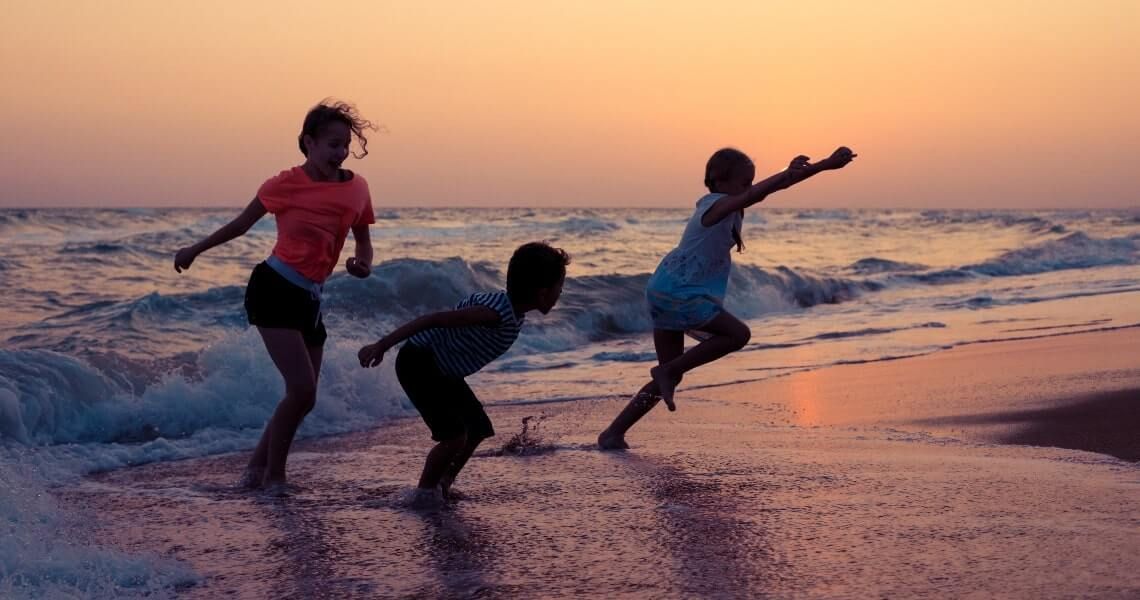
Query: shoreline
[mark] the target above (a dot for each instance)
(1078, 391)
(899, 479)
(1094, 405)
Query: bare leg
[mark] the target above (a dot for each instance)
(457, 464)
(440, 459)
(669, 345)
(613, 438)
(255, 471)
(729, 335)
(299, 367)
(664, 384)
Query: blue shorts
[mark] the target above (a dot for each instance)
(673, 313)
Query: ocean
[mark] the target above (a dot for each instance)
(112, 360)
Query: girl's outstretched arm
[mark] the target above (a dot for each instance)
(241, 224)
(360, 264)
(372, 354)
(799, 170)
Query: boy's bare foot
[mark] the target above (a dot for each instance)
(665, 384)
(609, 441)
(278, 488)
(454, 495)
(448, 492)
(445, 486)
(426, 499)
(251, 479)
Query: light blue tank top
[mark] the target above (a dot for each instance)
(702, 260)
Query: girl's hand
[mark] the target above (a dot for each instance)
(357, 268)
(797, 169)
(184, 258)
(371, 355)
(840, 158)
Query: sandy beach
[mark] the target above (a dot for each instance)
(927, 215)
(1078, 391)
(1004, 469)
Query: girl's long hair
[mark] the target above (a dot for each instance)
(335, 111)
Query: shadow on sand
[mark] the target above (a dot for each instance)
(1105, 423)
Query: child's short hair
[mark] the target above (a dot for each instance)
(722, 165)
(335, 111)
(534, 266)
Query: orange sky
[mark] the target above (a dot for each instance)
(618, 103)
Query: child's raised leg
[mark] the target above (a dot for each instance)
(669, 346)
(300, 367)
(729, 335)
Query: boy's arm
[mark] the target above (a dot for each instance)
(360, 265)
(235, 228)
(799, 170)
(372, 354)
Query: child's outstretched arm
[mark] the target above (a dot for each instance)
(236, 228)
(799, 170)
(360, 265)
(372, 354)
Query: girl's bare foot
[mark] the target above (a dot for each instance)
(609, 441)
(665, 384)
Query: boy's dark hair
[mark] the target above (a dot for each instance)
(534, 266)
(335, 111)
(723, 165)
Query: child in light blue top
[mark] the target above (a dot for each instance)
(687, 290)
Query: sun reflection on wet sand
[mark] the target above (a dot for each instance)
(803, 391)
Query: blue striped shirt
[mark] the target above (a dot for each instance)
(461, 351)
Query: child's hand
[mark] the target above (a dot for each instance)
(184, 258)
(371, 355)
(357, 268)
(797, 169)
(840, 158)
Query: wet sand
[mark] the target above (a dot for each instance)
(989, 470)
(1079, 391)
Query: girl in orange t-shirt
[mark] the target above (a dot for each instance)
(315, 204)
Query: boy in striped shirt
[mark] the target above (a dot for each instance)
(442, 348)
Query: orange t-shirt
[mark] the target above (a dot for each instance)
(313, 218)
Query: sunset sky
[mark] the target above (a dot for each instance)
(1003, 104)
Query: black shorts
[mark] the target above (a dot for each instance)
(446, 403)
(272, 301)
